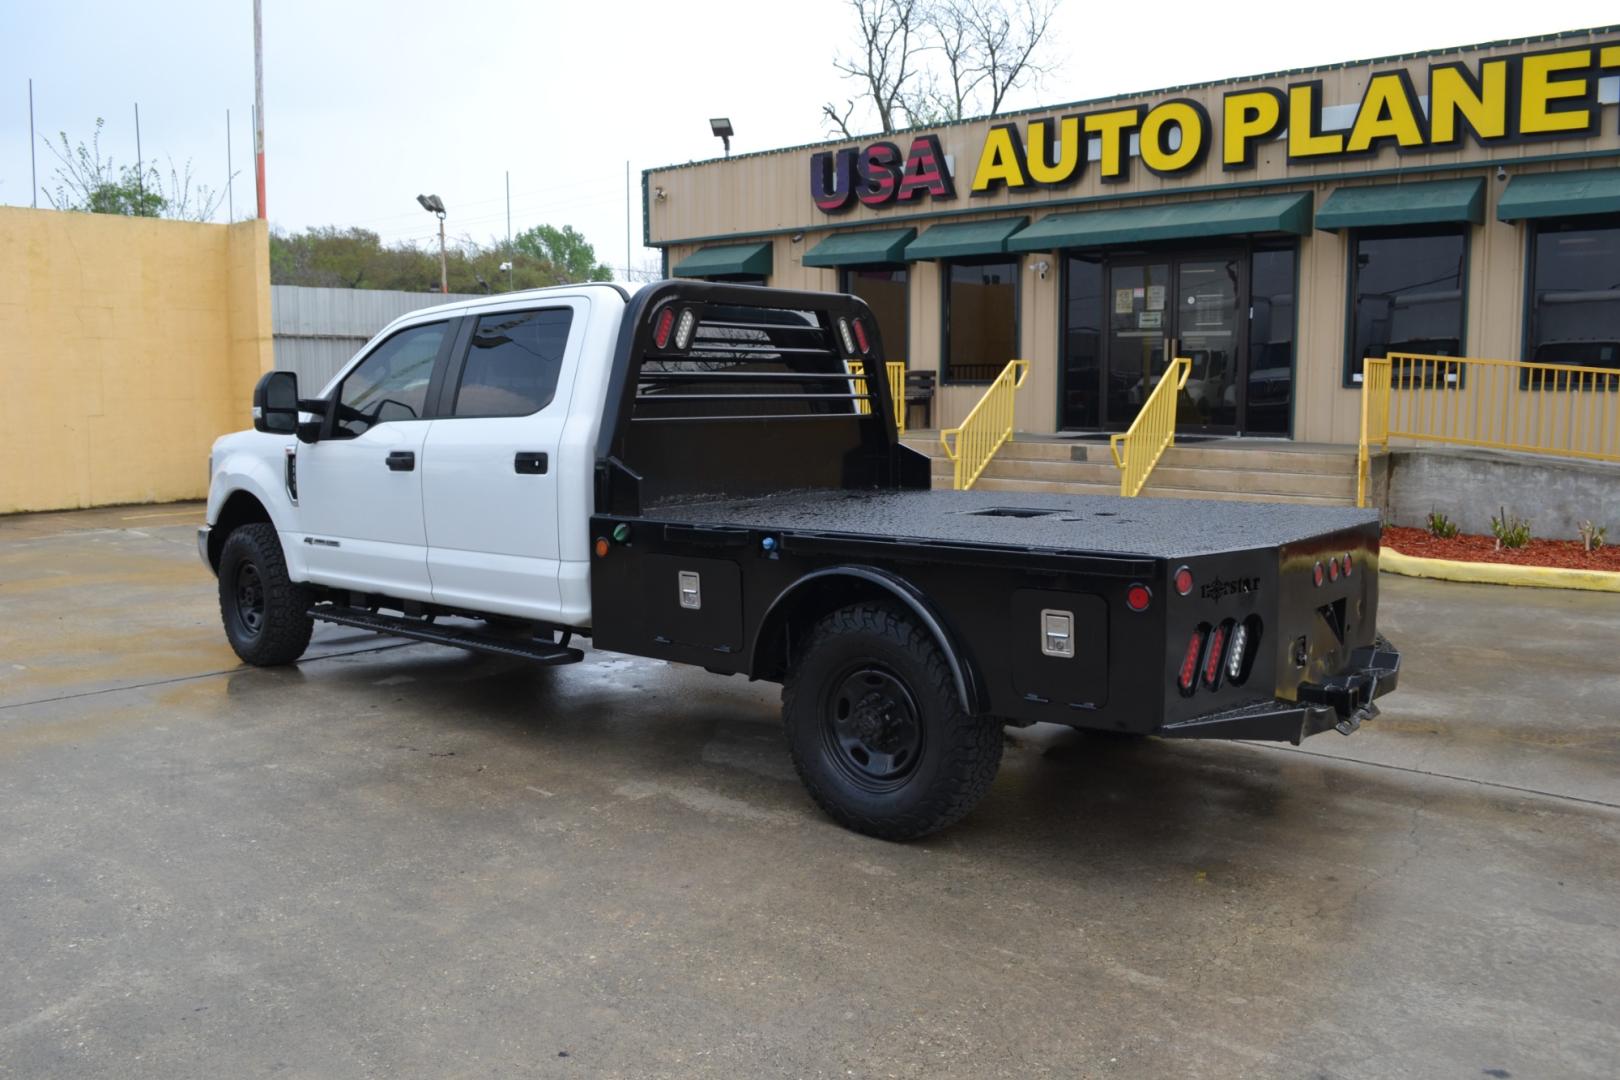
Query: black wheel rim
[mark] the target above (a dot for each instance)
(872, 728)
(249, 599)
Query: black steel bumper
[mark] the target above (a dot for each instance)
(1340, 702)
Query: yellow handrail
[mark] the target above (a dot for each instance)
(1562, 410)
(897, 393)
(985, 428)
(857, 385)
(896, 371)
(1374, 421)
(1152, 432)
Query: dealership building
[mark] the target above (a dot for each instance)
(1277, 230)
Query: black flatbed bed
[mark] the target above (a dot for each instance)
(1026, 521)
(756, 514)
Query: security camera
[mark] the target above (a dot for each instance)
(1501, 172)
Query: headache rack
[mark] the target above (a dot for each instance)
(734, 389)
(747, 362)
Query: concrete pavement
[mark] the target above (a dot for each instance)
(399, 860)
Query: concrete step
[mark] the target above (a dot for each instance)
(1046, 450)
(1279, 455)
(1251, 470)
(1251, 481)
(1256, 481)
(1330, 460)
(988, 483)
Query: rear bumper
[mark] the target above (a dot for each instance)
(1340, 702)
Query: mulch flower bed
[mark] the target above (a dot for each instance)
(1568, 554)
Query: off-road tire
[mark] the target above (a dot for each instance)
(955, 758)
(276, 630)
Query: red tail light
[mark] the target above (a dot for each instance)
(1138, 597)
(1184, 581)
(1189, 663)
(1333, 569)
(666, 323)
(1319, 575)
(860, 336)
(1212, 660)
(1347, 565)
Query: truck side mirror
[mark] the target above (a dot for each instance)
(275, 403)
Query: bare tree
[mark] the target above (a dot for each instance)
(928, 61)
(1004, 44)
(187, 202)
(650, 268)
(955, 28)
(885, 61)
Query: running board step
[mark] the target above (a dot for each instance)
(540, 652)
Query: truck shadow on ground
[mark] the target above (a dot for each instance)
(625, 722)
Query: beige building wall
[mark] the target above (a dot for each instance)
(767, 196)
(127, 345)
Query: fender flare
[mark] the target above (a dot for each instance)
(247, 473)
(962, 672)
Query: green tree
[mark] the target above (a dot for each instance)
(565, 250)
(348, 259)
(353, 258)
(89, 183)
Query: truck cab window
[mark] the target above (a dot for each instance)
(391, 383)
(513, 363)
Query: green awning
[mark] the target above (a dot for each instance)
(960, 239)
(1561, 194)
(1432, 202)
(861, 248)
(733, 259)
(1171, 221)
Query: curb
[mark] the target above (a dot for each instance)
(1538, 577)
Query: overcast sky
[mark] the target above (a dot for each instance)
(369, 103)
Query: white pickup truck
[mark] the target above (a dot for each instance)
(703, 473)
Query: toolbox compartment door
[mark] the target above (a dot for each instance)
(693, 602)
(1069, 682)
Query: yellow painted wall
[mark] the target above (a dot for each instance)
(127, 345)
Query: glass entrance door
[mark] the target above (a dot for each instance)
(1176, 306)
(1207, 334)
(1138, 332)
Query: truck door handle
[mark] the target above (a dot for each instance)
(402, 460)
(530, 461)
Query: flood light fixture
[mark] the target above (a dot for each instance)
(721, 126)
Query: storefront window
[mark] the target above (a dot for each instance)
(1082, 341)
(1406, 295)
(1575, 290)
(1269, 407)
(884, 290)
(981, 319)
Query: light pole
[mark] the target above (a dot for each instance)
(258, 106)
(435, 206)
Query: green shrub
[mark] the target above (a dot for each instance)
(1441, 526)
(1510, 532)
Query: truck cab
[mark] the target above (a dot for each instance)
(455, 464)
